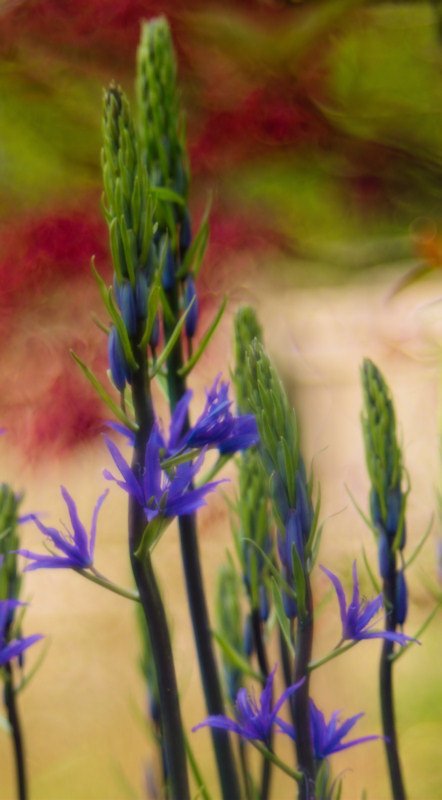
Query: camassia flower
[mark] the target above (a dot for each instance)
(216, 427)
(254, 721)
(357, 616)
(160, 493)
(327, 736)
(77, 547)
(15, 647)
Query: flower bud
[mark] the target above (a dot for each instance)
(375, 508)
(248, 637)
(126, 303)
(141, 294)
(168, 274)
(401, 598)
(384, 555)
(185, 234)
(117, 361)
(192, 316)
(290, 607)
(264, 608)
(155, 335)
(394, 504)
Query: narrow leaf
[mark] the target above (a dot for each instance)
(204, 341)
(105, 396)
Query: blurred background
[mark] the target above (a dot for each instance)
(315, 129)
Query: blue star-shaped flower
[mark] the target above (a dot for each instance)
(77, 547)
(168, 494)
(253, 721)
(357, 616)
(14, 648)
(216, 427)
(327, 736)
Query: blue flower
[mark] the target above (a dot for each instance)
(327, 736)
(358, 614)
(253, 721)
(215, 427)
(14, 648)
(168, 494)
(77, 547)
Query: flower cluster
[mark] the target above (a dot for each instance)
(255, 721)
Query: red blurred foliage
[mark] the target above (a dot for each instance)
(268, 116)
(40, 252)
(68, 414)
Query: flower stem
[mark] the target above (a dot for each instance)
(386, 690)
(195, 591)
(264, 668)
(297, 776)
(96, 577)
(330, 656)
(301, 705)
(154, 612)
(17, 737)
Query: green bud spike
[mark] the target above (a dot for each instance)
(161, 126)
(382, 452)
(275, 418)
(247, 328)
(9, 540)
(128, 208)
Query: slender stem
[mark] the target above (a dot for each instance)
(301, 704)
(95, 577)
(17, 737)
(196, 595)
(248, 786)
(297, 776)
(261, 655)
(330, 656)
(153, 608)
(386, 689)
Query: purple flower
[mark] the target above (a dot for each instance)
(169, 494)
(14, 648)
(253, 721)
(77, 547)
(327, 736)
(215, 427)
(356, 617)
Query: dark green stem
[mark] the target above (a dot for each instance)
(261, 655)
(153, 608)
(386, 689)
(17, 738)
(196, 596)
(301, 704)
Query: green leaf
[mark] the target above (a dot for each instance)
(371, 575)
(235, 658)
(151, 535)
(299, 581)
(165, 353)
(105, 396)
(167, 195)
(194, 257)
(418, 633)
(27, 678)
(420, 545)
(196, 772)
(106, 294)
(281, 616)
(204, 341)
(152, 307)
